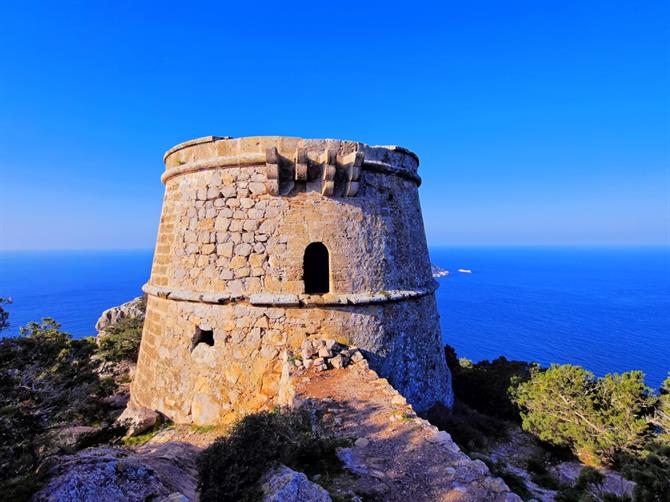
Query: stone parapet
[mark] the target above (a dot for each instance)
(331, 167)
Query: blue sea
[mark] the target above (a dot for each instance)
(607, 309)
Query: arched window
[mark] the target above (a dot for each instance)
(316, 273)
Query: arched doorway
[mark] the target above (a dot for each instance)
(316, 269)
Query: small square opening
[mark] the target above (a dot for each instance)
(205, 336)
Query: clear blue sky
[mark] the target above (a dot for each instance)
(536, 122)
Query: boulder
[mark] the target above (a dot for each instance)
(164, 472)
(282, 484)
(138, 419)
(566, 473)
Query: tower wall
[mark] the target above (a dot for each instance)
(237, 217)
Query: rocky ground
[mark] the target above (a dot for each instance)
(393, 455)
(518, 448)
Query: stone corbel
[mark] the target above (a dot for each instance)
(329, 161)
(352, 165)
(272, 170)
(301, 165)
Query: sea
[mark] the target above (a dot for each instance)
(606, 309)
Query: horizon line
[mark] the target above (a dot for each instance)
(441, 245)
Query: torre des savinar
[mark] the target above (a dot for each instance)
(267, 241)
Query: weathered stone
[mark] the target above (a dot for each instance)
(282, 484)
(338, 361)
(222, 223)
(243, 249)
(225, 249)
(361, 442)
(566, 473)
(308, 351)
(257, 188)
(137, 419)
(112, 474)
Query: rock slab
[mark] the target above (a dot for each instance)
(282, 484)
(113, 474)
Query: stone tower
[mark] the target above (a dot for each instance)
(266, 241)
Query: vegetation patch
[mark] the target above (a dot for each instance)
(485, 386)
(230, 469)
(615, 420)
(143, 438)
(47, 380)
(121, 341)
(595, 417)
(650, 470)
(471, 430)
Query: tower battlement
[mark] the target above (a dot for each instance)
(293, 165)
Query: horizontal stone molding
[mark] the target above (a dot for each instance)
(194, 142)
(258, 159)
(289, 300)
(386, 168)
(241, 160)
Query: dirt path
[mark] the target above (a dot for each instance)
(396, 455)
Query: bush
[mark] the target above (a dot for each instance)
(595, 417)
(122, 340)
(662, 415)
(485, 386)
(46, 379)
(650, 470)
(229, 470)
(470, 429)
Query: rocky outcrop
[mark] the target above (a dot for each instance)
(163, 472)
(613, 483)
(134, 308)
(395, 455)
(282, 484)
(438, 271)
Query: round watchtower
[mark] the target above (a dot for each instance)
(267, 241)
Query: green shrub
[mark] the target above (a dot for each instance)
(650, 470)
(229, 470)
(47, 379)
(662, 415)
(485, 385)
(470, 429)
(122, 340)
(595, 417)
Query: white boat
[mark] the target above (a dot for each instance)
(465, 270)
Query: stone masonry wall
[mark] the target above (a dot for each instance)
(240, 372)
(229, 259)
